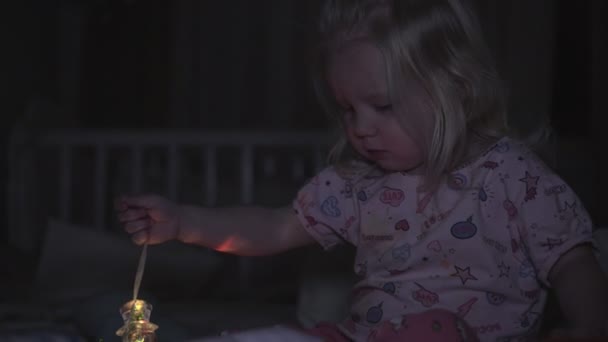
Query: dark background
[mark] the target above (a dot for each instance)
(241, 65)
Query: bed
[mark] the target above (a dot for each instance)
(72, 267)
(81, 266)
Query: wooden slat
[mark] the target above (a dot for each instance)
(246, 174)
(100, 186)
(136, 168)
(185, 138)
(172, 172)
(65, 182)
(211, 180)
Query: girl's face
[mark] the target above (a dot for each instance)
(357, 77)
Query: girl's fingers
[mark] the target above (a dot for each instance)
(120, 204)
(140, 237)
(136, 226)
(132, 215)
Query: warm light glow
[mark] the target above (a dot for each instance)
(229, 245)
(139, 304)
(137, 326)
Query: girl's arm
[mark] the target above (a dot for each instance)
(247, 231)
(582, 291)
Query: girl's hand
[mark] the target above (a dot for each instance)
(582, 291)
(150, 219)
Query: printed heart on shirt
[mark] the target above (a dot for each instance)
(402, 225)
(392, 197)
(434, 246)
(330, 207)
(362, 196)
(502, 147)
(402, 253)
(311, 220)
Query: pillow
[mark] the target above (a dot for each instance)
(325, 286)
(78, 262)
(600, 235)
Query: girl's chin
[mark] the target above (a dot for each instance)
(414, 169)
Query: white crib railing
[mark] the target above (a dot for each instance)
(208, 143)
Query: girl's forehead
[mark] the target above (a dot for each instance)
(351, 41)
(356, 53)
(357, 63)
(357, 59)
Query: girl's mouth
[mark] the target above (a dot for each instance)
(377, 154)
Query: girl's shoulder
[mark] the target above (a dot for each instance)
(513, 163)
(509, 153)
(358, 176)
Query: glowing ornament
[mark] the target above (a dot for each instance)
(137, 327)
(136, 313)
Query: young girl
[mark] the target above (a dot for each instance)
(460, 229)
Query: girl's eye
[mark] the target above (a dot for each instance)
(348, 113)
(384, 108)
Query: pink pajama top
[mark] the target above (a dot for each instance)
(481, 245)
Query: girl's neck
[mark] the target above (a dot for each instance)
(477, 147)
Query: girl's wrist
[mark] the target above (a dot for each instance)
(182, 212)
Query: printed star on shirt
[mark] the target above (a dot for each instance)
(552, 243)
(530, 181)
(568, 212)
(504, 270)
(464, 274)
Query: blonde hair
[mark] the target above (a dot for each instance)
(437, 43)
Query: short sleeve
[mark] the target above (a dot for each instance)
(554, 218)
(327, 210)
